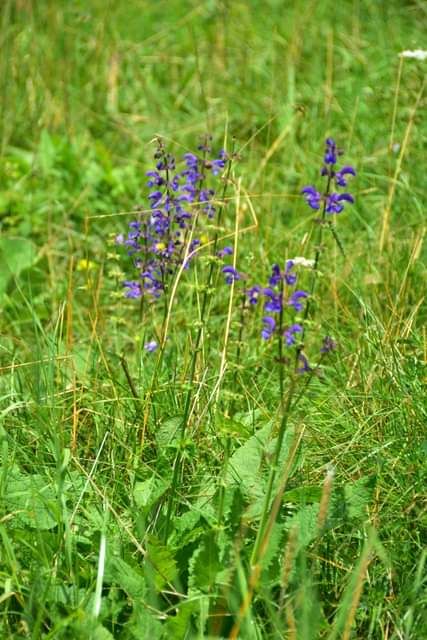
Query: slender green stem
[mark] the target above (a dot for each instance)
(227, 448)
(273, 470)
(187, 406)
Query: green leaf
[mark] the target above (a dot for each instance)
(162, 561)
(147, 492)
(16, 254)
(143, 625)
(204, 565)
(357, 496)
(177, 626)
(244, 465)
(305, 521)
(126, 577)
(32, 500)
(303, 495)
(101, 633)
(168, 434)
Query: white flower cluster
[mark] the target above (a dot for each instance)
(303, 262)
(417, 54)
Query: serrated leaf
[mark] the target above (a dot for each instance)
(126, 577)
(143, 625)
(244, 464)
(169, 432)
(147, 492)
(357, 496)
(274, 545)
(177, 626)
(162, 562)
(305, 521)
(303, 495)
(204, 565)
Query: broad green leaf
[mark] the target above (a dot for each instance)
(357, 496)
(305, 521)
(126, 577)
(16, 254)
(143, 625)
(177, 626)
(101, 633)
(32, 500)
(169, 432)
(162, 561)
(244, 465)
(204, 565)
(147, 492)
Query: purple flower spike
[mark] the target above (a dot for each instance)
(334, 200)
(133, 289)
(289, 334)
(294, 300)
(226, 251)
(331, 151)
(274, 300)
(276, 276)
(340, 176)
(253, 294)
(155, 180)
(151, 346)
(328, 345)
(312, 197)
(290, 278)
(269, 326)
(231, 274)
(305, 367)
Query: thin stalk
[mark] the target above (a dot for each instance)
(316, 257)
(274, 467)
(280, 344)
(207, 292)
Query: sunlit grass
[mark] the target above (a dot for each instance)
(87, 449)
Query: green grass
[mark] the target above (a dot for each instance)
(86, 466)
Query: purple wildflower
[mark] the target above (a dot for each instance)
(133, 289)
(151, 346)
(334, 202)
(340, 176)
(328, 345)
(157, 241)
(226, 251)
(331, 151)
(218, 164)
(290, 278)
(269, 326)
(312, 197)
(289, 333)
(231, 274)
(253, 294)
(294, 300)
(274, 300)
(304, 367)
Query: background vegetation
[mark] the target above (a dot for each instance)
(84, 88)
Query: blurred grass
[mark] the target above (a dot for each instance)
(84, 88)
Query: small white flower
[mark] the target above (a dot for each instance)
(417, 54)
(299, 261)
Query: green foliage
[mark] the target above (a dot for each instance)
(84, 88)
(16, 255)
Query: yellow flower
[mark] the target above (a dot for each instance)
(85, 265)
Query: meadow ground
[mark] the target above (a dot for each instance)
(171, 494)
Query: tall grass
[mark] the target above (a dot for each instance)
(99, 537)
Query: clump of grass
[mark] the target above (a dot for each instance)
(133, 492)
